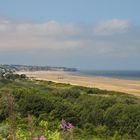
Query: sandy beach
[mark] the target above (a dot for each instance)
(127, 86)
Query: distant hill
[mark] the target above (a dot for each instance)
(14, 68)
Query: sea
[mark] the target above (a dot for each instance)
(117, 74)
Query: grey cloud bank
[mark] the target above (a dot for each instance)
(71, 44)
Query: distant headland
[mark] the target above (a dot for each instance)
(14, 68)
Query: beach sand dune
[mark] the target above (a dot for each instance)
(127, 86)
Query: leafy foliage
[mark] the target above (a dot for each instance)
(96, 114)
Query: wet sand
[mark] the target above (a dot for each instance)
(127, 86)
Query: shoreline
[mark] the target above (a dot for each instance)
(106, 83)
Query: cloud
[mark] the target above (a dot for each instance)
(49, 35)
(51, 28)
(111, 27)
(4, 25)
(113, 37)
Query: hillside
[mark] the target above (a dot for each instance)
(34, 68)
(31, 108)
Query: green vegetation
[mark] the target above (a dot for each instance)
(32, 108)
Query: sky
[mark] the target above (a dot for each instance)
(86, 34)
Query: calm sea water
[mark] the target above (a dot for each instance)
(119, 74)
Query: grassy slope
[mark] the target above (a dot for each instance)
(92, 111)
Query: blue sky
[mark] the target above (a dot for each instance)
(70, 10)
(88, 34)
